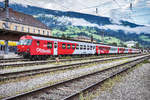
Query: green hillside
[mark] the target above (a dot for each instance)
(72, 32)
(145, 38)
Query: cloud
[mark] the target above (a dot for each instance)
(78, 22)
(119, 8)
(126, 29)
(137, 30)
(148, 4)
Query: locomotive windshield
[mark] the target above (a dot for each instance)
(25, 42)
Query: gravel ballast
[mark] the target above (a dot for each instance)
(134, 86)
(28, 84)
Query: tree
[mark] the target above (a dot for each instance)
(63, 36)
(137, 45)
(114, 44)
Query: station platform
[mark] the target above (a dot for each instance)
(9, 56)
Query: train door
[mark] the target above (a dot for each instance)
(55, 48)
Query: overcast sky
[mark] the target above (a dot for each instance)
(116, 9)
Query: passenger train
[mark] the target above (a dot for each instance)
(35, 48)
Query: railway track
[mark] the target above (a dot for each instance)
(72, 88)
(18, 74)
(26, 63)
(8, 58)
(13, 60)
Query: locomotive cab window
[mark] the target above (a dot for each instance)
(49, 45)
(25, 42)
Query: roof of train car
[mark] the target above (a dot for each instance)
(68, 40)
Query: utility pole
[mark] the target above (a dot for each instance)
(7, 26)
(131, 6)
(96, 10)
(103, 36)
(7, 9)
(101, 25)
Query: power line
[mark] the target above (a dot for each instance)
(141, 15)
(117, 4)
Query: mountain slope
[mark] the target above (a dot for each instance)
(73, 24)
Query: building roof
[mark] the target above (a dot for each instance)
(21, 18)
(131, 42)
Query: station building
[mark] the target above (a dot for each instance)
(18, 24)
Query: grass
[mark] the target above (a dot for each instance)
(146, 61)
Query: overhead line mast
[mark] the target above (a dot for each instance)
(7, 9)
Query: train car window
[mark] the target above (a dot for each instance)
(101, 48)
(94, 47)
(64, 46)
(84, 47)
(81, 47)
(91, 47)
(113, 49)
(88, 47)
(55, 45)
(77, 46)
(73, 46)
(49, 45)
(38, 43)
(68, 46)
(107, 48)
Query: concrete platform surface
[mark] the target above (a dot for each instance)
(9, 55)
